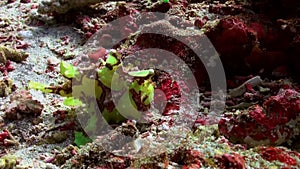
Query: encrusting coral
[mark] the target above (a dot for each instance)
(273, 123)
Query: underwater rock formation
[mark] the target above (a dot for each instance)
(273, 123)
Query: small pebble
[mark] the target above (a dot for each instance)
(53, 61)
(25, 34)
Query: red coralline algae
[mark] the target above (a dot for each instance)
(200, 22)
(189, 157)
(88, 26)
(279, 154)
(233, 40)
(3, 135)
(283, 107)
(194, 157)
(172, 94)
(280, 37)
(275, 48)
(268, 60)
(253, 46)
(202, 121)
(6, 68)
(233, 161)
(144, 41)
(272, 123)
(191, 166)
(68, 126)
(259, 30)
(34, 6)
(60, 115)
(232, 37)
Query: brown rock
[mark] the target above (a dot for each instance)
(21, 103)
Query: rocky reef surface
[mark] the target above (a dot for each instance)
(59, 59)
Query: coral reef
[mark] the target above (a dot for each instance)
(279, 154)
(250, 44)
(172, 94)
(231, 161)
(209, 151)
(175, 45)
(257, 41)
(234, 40)
(274, 123)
